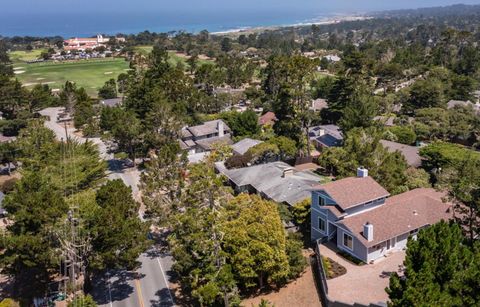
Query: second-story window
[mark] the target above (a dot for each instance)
(321, 201)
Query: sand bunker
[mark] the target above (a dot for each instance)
(108, 73)
(17, 72)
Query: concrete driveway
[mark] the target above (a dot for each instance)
(362, 284)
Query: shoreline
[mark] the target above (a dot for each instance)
(325, 21)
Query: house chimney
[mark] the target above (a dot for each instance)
(368, 231)
(321, 132)
(287, 172)
(362, 172)
(221, 129)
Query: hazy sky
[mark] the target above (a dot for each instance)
(81, 6)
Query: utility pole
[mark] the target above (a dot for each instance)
(74, 245)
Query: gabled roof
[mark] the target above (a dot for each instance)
(207, 144)
(399, 215)
(210, 127)
(267, 118)
(269, 179)
(350, 192)
(411, 153)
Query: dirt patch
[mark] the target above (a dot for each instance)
(7, 182)
(301, 292)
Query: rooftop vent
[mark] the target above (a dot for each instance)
(287, 172)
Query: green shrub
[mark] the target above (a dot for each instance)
(404, 134)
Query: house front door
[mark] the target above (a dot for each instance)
(388, 245)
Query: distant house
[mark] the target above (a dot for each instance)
(241, 147)
(318, 105)
(332, 58)
(201, 139)
(360, 218)
(6, 139)
(411, 153)
(267, 119)
(387, 121)
(325, 136)
(112, 102)
(276, 181)
(460, 103)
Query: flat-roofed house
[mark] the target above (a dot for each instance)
(358, 215)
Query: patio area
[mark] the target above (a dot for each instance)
(363, 284)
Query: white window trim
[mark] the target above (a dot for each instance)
(320, 199)
(343, 241)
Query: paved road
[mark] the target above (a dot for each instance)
(149, 285)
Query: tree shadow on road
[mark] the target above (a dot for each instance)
(163, 300)
(113, 288)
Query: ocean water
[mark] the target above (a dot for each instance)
(88, 24)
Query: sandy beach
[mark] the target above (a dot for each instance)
(327, 21)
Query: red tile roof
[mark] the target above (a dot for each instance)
(353, 191)
(399, 215)
(268, 118)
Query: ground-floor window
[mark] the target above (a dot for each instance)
(322, 224)
(348, 241)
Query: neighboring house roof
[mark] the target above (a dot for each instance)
(399, 215)
(386, 120)
(208, 144)
(319, 104)
(268, 118)
(411, 153)
(5, 139)
(459, 103)
(244, 145)
(352, 191)
(210, 127)
(328, 140)
(112, 102)
(277, 181)
(326, 135)
(332, 57)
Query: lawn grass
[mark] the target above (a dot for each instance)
(25, 56)
(89, 74)
(174, 58)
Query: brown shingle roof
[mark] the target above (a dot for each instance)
(353, 191)
(399, 215)
(411, 153)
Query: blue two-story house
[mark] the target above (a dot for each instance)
(360, 218)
